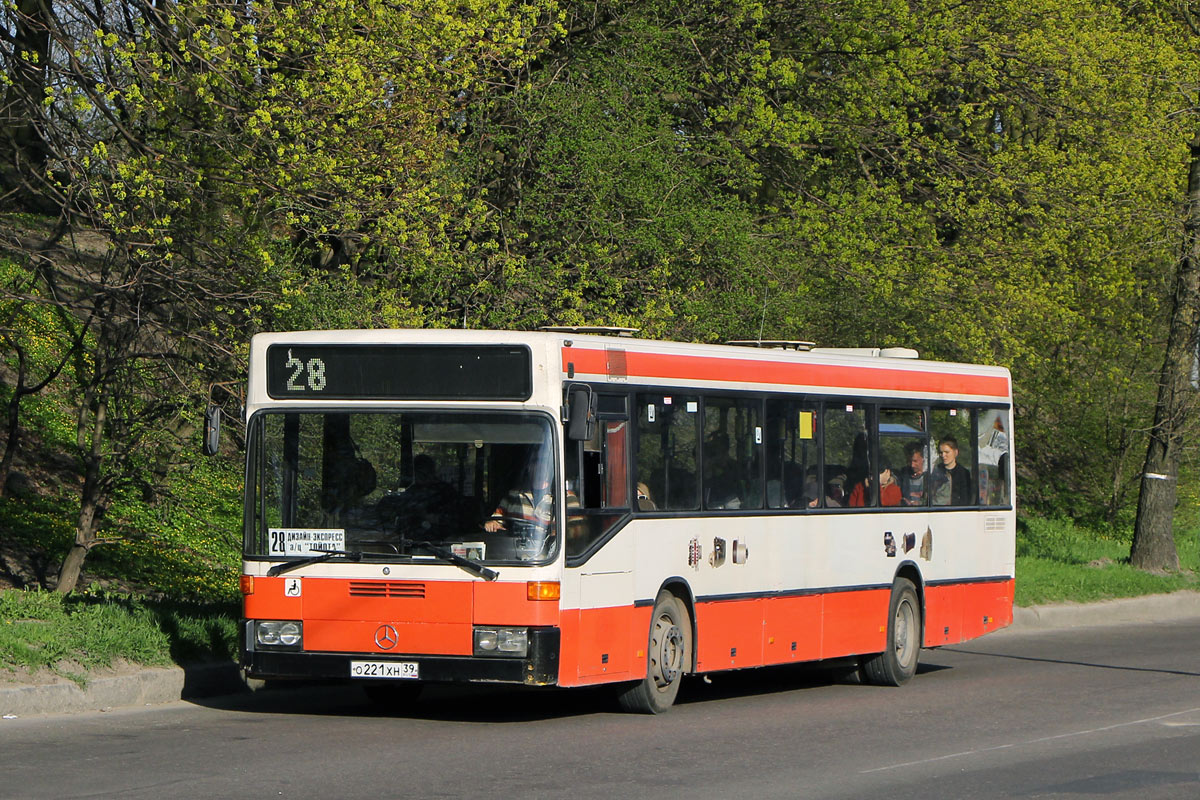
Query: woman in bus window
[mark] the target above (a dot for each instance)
(889, 491)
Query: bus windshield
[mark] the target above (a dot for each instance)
(383, 485)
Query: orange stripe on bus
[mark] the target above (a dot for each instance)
(270, 602)
(733, 634)
(413, 638)
(855, 623)
(963, 611)
(733, 370)
(498, 603)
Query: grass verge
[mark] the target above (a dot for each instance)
(1059, 561)
(76, 634)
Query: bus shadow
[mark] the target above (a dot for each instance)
(514, 704)
(1068, 662)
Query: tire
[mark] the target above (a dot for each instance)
(898, 663)
(393, 695)
(668, 657)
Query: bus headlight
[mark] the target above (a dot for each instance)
(286, 633)
(492, 641)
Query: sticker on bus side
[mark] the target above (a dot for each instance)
(304, 541)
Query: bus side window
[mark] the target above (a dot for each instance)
(733, 438)
(597, 475)
(791, 454)
(904, 448)
(845, 453)
(952, 482)
(994, 460)
(667, 447)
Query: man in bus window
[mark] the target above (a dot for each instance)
(951, 480)
(912, 477)
(530, 502)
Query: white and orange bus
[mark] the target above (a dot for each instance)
(570, 507)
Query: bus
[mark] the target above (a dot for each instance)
(574, 506)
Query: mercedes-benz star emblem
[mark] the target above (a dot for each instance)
(386, 637)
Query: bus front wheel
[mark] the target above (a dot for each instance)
(898, 663)
(668, 656)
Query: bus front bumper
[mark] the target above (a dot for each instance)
(538, 668)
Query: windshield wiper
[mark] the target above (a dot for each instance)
(323, 555)
(459, 561)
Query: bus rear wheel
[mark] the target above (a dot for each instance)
(898, 663)
(668, 656)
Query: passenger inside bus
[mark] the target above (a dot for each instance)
(889, 492)
(529, 502)
(912, 477)
(951, 480)
(346, 477)
(835, 486)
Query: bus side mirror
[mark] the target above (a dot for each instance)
(581, 415)
(212, 431)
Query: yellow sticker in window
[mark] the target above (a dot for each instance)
(806, 424)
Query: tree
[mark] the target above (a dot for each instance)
(212, 157)
(1154, 536)
(985, 186)
(1154, 539)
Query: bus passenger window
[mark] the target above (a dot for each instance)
(904, 444)
(993, 457)
(791, 454)
(846, 454)
(667, 445)
(732, 439)
(951, 482)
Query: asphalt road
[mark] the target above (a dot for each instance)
(1102, 712)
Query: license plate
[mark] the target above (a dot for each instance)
(395, 670)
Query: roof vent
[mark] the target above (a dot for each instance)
(869, 352)
(777, 344)
(599, 330)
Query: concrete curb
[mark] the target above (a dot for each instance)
(1130, 610)
(165, 685)
(150, 686)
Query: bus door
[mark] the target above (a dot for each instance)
(599, 500)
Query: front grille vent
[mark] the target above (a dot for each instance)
(387, 589)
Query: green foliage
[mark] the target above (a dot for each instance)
(185, 546)
(994, 184)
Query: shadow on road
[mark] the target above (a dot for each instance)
(1069, 662)
(500, 704)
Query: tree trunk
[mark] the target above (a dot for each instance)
(13, 442)
(1153, 537)
(23, 152)
(90, 500)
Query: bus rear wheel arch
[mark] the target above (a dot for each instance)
(897, 664)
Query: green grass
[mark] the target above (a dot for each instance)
(1058, 561)
(74, 634)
